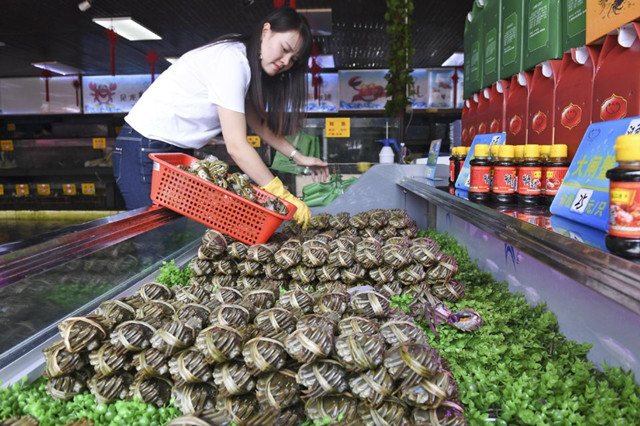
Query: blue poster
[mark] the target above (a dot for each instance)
(489, 139)
(584, 195)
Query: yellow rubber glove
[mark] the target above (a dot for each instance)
(302, 216)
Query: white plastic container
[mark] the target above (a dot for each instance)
(386, 155)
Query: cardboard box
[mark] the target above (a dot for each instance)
(574, 20)
(492, 24)
(542, 102)
(574, 96)
(512, 29)
(473, 48)
(543, 32)
(605, 16)
(616, 84)
(517, 108)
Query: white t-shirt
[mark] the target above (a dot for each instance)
(181, 106)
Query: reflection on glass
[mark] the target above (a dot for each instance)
(33, 304)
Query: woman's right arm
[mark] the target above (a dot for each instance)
(234, 130)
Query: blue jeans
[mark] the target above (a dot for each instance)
(132, 166)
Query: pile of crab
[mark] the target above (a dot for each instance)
(300, 327)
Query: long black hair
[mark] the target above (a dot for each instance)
(278, 99)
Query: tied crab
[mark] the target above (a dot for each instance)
(275, 204)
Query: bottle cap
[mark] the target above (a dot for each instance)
(506, 151)
(531, 151)
(482, 150)
(558, 150)
(519, 150)
(628, 148)
(494, 150)
(545, 150)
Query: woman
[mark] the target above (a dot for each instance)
(256, 79)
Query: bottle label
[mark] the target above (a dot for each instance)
(624, 209)
(504, 180)
(480, 179)
(529, 180)
(452, 171)
(554, 178)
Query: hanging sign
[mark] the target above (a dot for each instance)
(43, 189)
(337, 127)
(88, 189)
(99, 143)
(22, 189)
(254, 141)
(6, 145)
(69, 189)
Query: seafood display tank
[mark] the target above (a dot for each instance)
(595, 295)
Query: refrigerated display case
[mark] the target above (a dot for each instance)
(69, 272)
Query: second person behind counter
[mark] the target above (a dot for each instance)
(256, 79)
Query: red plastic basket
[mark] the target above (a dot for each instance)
(210, 204)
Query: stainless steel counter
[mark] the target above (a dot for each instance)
(606, 273)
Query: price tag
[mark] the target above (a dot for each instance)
(44, 189)
(22, 189)
(337, 127)
(11, 127)
(254, 141)
(88, 189)
(99, 143)
(1, 189)
(69, 189)
(6, 145)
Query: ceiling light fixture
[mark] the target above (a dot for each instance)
(84, 5)
(455, 60)
(171, 59)
(128, 28)
(57, 67)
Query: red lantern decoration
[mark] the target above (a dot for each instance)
(112, 36)
(46, 74)
(152, 58)
(315, 69)
(278, 3)
(76, 85)
(455, 79)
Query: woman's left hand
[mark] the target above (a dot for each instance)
(318, 168)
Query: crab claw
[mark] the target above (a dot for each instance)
(354, 82)
(466, 320)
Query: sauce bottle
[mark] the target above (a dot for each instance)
(455, 163)
(544, 158)
(493, 159)
(519, 152)
(623, 238)
(555, 171)
(504, 176)
(480, 173)
(529, 174)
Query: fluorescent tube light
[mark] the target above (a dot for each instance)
(171, 59)
(127, 28)
(57, 67)
(455, 60)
